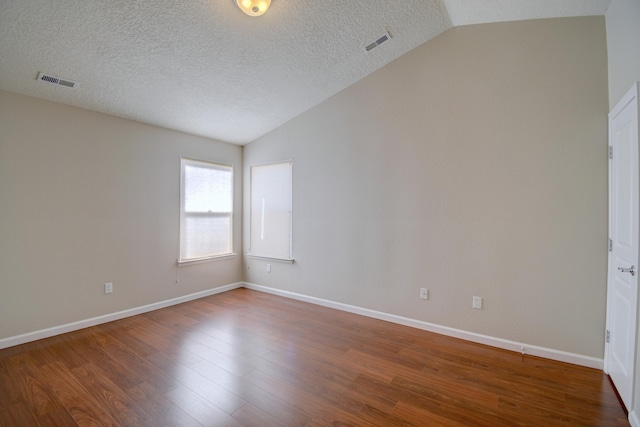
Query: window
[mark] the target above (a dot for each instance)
(271, 211)
(206, 210)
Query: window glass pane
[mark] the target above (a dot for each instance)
(206, 236)
(206, 210)
(207, 189)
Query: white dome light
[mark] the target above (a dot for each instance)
(253, 7)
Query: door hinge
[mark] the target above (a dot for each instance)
(610, 245)
(608, 336)
(610, 152)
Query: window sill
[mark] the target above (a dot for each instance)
(209, 259)
(275, 259)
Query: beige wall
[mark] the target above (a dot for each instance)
(473, 165)
(86, 199)
(623, 35)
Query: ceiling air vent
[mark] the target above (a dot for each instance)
(56, 80)
(377, 42)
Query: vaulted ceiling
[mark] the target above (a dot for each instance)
(206, 68)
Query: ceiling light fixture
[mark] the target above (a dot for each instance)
(253, 7)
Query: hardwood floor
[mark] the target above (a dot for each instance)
(254, 359)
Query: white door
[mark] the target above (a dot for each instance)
(622, 286)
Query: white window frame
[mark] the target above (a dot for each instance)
(186, 161)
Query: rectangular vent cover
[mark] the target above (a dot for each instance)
(377, 42)
(56, 80)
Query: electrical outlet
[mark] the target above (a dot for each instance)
(424, 293)
(268, 268)
(108, 288)
(477, 303)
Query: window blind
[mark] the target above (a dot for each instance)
(271, 210)
(206, 210)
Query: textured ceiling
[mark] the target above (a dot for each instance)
(204, 67)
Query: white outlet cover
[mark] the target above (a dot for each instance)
(477, 303)
(108, 288)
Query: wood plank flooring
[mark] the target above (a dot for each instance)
(246, 358)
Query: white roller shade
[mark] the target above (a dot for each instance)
(271, 210)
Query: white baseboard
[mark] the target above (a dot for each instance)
(547, 353)
(74, 326)
(533, 350)
(634, 420)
